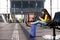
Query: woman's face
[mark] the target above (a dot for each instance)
(42, 12)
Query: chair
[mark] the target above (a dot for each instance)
(57, 18)
(55, 23)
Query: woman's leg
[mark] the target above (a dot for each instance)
(42, 23)
(35, 22)
(33, 28)
(39, 22)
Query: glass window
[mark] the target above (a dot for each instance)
(25, 4)
(32, 4)
(1, 19)
(15, 4)
(40, 4)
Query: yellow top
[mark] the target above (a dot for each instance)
(45, 19)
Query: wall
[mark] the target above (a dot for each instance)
(4, 6)
(55, 6)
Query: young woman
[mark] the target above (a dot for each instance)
(44, 18)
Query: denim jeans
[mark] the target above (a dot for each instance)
(39, 22)
(32, 31)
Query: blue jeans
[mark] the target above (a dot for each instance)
(39, 22)
(32, 31)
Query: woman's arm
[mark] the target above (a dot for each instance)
(44, 18)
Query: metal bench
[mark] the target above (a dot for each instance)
(55, 23)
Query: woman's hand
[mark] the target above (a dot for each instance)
(39, 17)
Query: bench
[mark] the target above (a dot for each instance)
(55, 23)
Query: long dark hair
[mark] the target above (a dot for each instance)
(45, 12)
